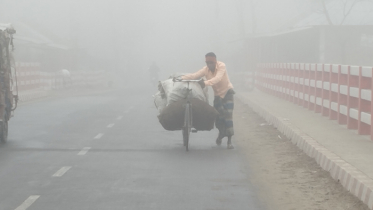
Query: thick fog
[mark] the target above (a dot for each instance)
(127, 36)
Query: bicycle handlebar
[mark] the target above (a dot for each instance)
(182, 80)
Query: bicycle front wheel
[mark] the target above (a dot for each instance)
(187, 125)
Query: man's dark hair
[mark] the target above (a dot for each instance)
(210, 54)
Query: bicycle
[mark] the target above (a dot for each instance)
(188, 114)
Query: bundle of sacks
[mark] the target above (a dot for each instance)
(170, 100)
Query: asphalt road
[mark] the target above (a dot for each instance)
(106, 150)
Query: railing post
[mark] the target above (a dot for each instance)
(354, 74)
(326, 89)
(371, 109)
(342, 98)
(312, 86)
(364, 100)
(306, 85)
(319, 69)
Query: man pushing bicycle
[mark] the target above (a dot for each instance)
(217, 77)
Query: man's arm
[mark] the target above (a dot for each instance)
(219, 75)
(198, 74)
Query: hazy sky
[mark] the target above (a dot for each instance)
(175, 33)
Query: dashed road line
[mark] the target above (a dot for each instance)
(129, 109)
(98, 136)
(84, 151)
(111, 125)
(119, 117)
(62, 171)
(28, 202)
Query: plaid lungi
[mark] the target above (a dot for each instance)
(224, 122)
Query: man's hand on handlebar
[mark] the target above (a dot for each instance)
(202, 83)
(176, 79)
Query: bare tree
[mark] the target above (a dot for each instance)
(326, 12)
(348, 6)
(346, 13)
(343, 38)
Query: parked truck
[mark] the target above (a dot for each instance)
(8, 84)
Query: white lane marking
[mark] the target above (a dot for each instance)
(119, 117)
(111, 125)
(28, 202)
(84, 151)
(98, 136)
(129, 109)
(62, 171)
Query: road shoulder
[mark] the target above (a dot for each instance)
(286, 177)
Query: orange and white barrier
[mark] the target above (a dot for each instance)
(339, 92)
(30, 78)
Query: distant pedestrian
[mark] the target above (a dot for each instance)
(153, 72)
(66, 77)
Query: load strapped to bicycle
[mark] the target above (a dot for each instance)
(183, 105)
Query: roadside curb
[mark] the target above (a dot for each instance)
(352, 179)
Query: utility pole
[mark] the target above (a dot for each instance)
(240, 5)
(241, 18)
(216, 36)
(74, 35)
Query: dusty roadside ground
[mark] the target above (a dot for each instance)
(285, 177)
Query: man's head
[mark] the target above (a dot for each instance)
(211, 60)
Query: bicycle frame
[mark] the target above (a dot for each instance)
(188, 117)
(188, 106)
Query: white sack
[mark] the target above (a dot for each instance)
(160, 102)
(178, 90)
